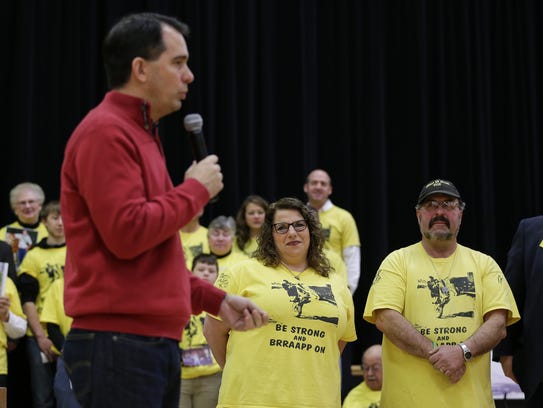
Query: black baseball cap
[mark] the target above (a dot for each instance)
(438, 186)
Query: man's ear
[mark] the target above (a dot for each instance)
(140, 69)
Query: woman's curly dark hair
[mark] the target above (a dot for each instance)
(267, 251)
(243, 232)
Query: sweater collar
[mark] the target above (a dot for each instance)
(136, 108)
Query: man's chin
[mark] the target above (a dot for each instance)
(439, 236)
(372, 385)
(177, 105)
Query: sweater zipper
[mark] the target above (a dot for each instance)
(151, 128)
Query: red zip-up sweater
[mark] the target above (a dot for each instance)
(125, 269)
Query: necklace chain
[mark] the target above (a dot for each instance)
(445, 288)
(295, 275)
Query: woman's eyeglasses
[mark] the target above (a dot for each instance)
(283, 227)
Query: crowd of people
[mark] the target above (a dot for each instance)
(127, 300)
(441, 307)
(284, 243)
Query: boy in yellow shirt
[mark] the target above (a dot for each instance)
(200, 373)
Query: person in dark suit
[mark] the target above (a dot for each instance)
(521, 352)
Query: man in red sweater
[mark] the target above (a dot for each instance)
(126, 283)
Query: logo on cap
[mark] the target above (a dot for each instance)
(438, 186)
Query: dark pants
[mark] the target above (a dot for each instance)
(109, 369)
(536, 401)
(19, 391)
(41, 376)
(64, 394)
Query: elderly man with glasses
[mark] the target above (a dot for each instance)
(441, 307)
(368, 393)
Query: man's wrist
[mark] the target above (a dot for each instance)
(465, 351)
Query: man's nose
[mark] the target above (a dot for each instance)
(188, 76)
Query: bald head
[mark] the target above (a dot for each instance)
(372, 352)
(372, 367)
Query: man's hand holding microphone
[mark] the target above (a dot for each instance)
(208, 172)
(210, 168)
(237, 312)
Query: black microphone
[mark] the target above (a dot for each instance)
(193, 125)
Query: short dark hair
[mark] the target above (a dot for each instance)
(52, 207)
(267, 251)
(209, 259)
(135, 35)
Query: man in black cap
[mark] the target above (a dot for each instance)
(441, 307)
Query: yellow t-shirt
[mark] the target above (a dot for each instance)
(283, 364)
(446, 300)
(337, 263)
(196, 357)
(194, 243)
(231, 259)
(250, 246)
(46, 265)
(339, 228)
(23, 247)
(15, 308)
(53, 307)
(362, 396)
(42, 231)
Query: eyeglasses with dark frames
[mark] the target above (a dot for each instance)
(283, 227)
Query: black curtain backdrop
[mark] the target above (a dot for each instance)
(385, 95)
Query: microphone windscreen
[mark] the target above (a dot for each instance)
(193, 122)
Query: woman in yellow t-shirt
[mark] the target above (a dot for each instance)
(283, 363)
